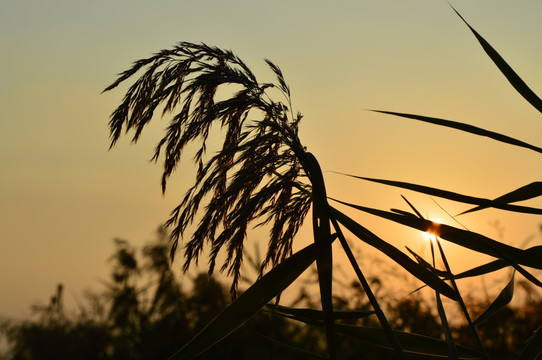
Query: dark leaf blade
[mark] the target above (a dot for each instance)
(322, 231)
(499, 264)
(398, 256)
(462, 305)
(526, 192)
(418, 214)
(302, 352)
(312, 314)
(482, 269)
(452, 350)
(450, 195)
(412, 343)
(464, 238)
(466, 128)
(252, 300)
(368, 291)
(514, 79)
(528, 275)
(533, 349)
(426, 265)
(499, 303)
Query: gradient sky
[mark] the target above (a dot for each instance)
(64, 196)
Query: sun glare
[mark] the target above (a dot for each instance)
(432, 234)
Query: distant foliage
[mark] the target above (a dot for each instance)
(144, 313)
(134, 321)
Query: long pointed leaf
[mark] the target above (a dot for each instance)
(466, 128)
(526, 192)
(313, 314)
(418, 214)
(506, 70)
(452, 350)
(497, 265)
(533, 349)
(324, 263)
(398, 256)
(426, 265)
(476, 271)
(467, 239)
(445, 194)
(368, 291)
(513, 256)
(461, 301)
(410, 342)
(306, 354)
(252, 300)
(483, 269)
(500, 302)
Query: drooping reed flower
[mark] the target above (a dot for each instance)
(257, 175)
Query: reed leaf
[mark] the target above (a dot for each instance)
(412, 344)
(460, 300)
(312, 314)
(426, 265)
(252, 300)
(497, 265)
(466, 128)
(452, 349)
(306, 354)
(322, 232)
(398, 256)
(533, 349)
(505, 69)
(493, 265)
(483, 269)
(471, 240)
(526, 192)
(479, 270)
(369, 292)
(450, 195)
(504, 298)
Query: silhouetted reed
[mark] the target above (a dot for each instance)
(262, 174)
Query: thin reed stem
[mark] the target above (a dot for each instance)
(376, 306)
(461, 302)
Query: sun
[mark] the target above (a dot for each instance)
(433, 234)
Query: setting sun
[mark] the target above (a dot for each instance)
(433, 232)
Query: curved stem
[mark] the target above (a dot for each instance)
(324, 262)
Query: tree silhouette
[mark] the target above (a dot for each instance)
(145, 314)
(166, 317)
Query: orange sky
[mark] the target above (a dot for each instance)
(64, 197)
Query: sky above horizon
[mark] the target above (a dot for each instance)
(64, 196)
